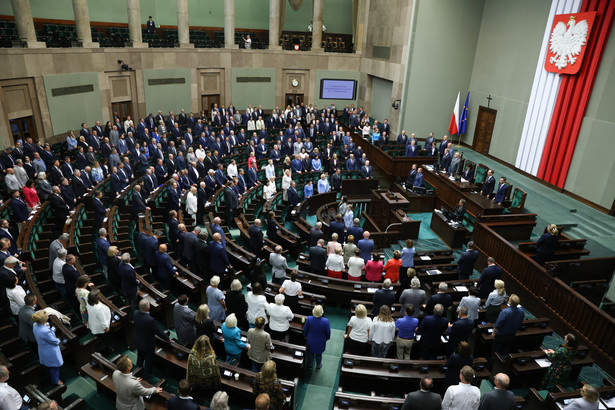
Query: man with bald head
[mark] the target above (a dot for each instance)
(218, 259)
(499, 398)
(164, 266)
(9, 397)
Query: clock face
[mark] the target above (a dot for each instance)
(294, 82)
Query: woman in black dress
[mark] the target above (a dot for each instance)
(236, 303)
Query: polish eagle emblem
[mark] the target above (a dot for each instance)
(566, 43)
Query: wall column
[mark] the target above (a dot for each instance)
(25, 25)
(134, 24)
(82, 21)
(361, 29)
(229, 24)
(183, 27)
(317, 26)
(274, 24)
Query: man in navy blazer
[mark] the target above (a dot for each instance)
(146, 329)
(488, 185)
(150, 245)
(486, 281)
(500, 195)
(164, 267)
(337, 227)
(102, 248)
(252, 177)
(19, 208)
(172, 197)
(465, 263)
(138, 206)
(218, 258)
(293, 196)
(431, 329)
(418, 179)
(439, 298)
(460, 331)
(99, 209)
(366, 171)
(183, 401)
(318, 257)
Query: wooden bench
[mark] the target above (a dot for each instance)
(569, 270)
(528, 337)
(353, 401)
(565, 249)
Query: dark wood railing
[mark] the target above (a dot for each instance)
(546, 295)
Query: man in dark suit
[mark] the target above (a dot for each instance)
(102, 248)
(6, 233)
(445, 162)
(59, 206)
(216, 227)
(183, 401)
(465, 263)
(336, 180)
(439, 298)
(316, 234)
(151, 26)
(431, 329)
(318, 257)
(411, 176)
(150, 245)
(188, 251)
(443, 145)
(429, 141)
(231, 203)
(256, 243)
(486, 282)
(500, 195)
(337, 227)
(460, 210)
(460, 330)
(498, 398)
(201, 250)
(146, 329)
(19, 208)
(355, 230)
(164, 267)
(423, 399)
(128, 281)
(99, 209)
(218, 258)
(138, 205)
(366, 171)
(488, 185)
(293, 197)
(383, 296)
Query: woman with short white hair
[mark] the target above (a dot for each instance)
(219, 401)
(215, 300)
(279, 318)
(317, 331)
(191, 202)
(257, 303)
(232, 340)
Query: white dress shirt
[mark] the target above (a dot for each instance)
(9, 397)
(461, 397)
(279, 316)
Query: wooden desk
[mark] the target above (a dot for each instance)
(416, 203)
(351, 401)
(453, 237)
(529, 337)
(450, 192)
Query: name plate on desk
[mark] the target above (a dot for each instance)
(460, 288)
(372, 290)
(543, 362)
(434, 272)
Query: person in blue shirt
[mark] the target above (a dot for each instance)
(366, 246)
(348, 217)
(49, 352)
(317, 331)
(316, 164)
(376, 136)
(508, 323)
(405, 336)
(407, 261)
(323, 184)
(308, 189)
(296, 165)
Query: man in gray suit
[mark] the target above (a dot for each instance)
(129, 390)
(25, 319)
(43, 187)
(60, 243)
(278, 264)
(498, 398)
(423, 399)
(455, 167)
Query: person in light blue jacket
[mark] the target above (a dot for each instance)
(232, 340)
(48, 346)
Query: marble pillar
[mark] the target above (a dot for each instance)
(229, 24)
(134, 24)
(361, 31)
(274, 24)
(25, 24)
(317, 26)
(82, 21)
(183, 26)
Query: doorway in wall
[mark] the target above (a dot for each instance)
(23, 128)
(123, 110)
(291, 99)
(484, 129)
(208, 101)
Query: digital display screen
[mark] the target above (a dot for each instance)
(331, 89)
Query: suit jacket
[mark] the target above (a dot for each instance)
(418, 180)
(465, 264)
(500, 195)
(454, 168)
(164, 267)
(146, 328)
(231, 199)
(218, 259)
(102, 249)
(315, 235)
(488, 186)
(293, 197)
(256, 239)
(499, 399)
(59, 206)
(318, 258)
(25, 324)
(431, 328)
(138, 206)
(459, 332)
(445, 163)
(178, 403)
(150, 246)
(422, 400)
(338, 228)
(438, 298)
(336, 181)
(188, 251)
(383, 297)
(486, 282)
(20, 209)
(99, 211)
(129, 391)
(366, 172)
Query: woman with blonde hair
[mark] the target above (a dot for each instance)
(382, 332)
(335, 261)
(219, 401)
(113, 267)
(495, 300)
(286, 181)
(545, 245)
(349, 248)
(81, 293)
(49, 353)
(357, 331)
(267, 382)
(202, 370)
(203, 323)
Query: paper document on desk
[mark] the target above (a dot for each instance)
(543, 362)
(461, 289)
(372, 290)
(434, 272)
(608, 403)
(425, 258)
